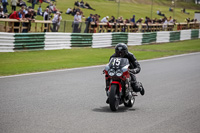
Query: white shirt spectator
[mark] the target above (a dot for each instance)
(60, 18)
(55, 19)
(105, 19)
(45, 13)
(14, 2)
(76, 19)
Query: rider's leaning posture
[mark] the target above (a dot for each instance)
(121, 50)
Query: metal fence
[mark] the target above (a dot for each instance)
(71, 27)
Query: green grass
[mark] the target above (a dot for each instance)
(37, 61)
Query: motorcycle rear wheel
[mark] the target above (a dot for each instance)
(114, 98)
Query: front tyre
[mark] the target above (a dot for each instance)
(114, 98)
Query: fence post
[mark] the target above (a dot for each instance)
(64, 25)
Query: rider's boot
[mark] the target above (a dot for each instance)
(142, 91)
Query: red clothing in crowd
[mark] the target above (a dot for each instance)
(41, 1)
(14, 15)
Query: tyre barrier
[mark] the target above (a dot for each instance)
(11, 42)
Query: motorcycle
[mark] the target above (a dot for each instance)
(120, 90)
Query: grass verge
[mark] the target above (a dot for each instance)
(37, 61)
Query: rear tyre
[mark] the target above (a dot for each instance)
(114, 98)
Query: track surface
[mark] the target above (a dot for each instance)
(74, 101)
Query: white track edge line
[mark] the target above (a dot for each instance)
(71, 69)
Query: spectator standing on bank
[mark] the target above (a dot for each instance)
(56, 21)
(87, 22)
(14, 4)
(46, 17)
(59, 20)
(5, 3)
(33, 4)
(76, 22)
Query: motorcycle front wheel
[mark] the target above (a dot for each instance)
(114, 98)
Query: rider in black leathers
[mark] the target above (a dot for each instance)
(121, 50)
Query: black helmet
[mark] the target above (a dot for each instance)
(121, 50)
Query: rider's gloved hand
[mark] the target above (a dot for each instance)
(132, 71)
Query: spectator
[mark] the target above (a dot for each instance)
(33, 4)
(14, 4)
(55, 22)
(74, 11)
(120, 20)
(76, 22)
(184, 11)
(82, 4)
(139, 22)
(59, 20)
(2, 15)
(112, 20)
(69, 11)
(54, 9)
(15, 15)
(46, 17)
(77, 3)
(5, 3)
(21, 3)
(39, 11)
(165, 24)
(159, 13)
(87, 22)
(30, 17)
(133, 19)
(88, 6)
(170, 9)
(105, 19)
(21, 14)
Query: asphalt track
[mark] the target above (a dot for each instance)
(73, 101)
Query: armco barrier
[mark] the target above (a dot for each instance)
(119, 37)
(10, 42)
(57, 41)
(135, 39)
(102, 40)
(174, 36)
(185, 34)
(7, 42)
(81, 39)
(163, 37)
(29, 41)
(194, 34)
(149, 37)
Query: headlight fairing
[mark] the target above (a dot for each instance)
(111, 72)
(119, 73)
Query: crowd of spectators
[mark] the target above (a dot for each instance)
(29, 14)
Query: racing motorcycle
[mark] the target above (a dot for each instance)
(120, 90)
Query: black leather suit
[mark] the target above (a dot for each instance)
(134, 64)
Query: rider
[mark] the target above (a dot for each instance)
(121, 50)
